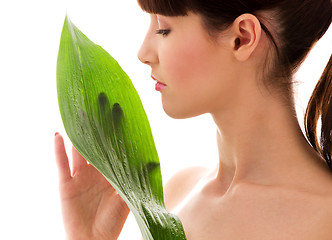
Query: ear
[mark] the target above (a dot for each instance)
(246, 35)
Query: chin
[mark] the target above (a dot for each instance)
(180, 113)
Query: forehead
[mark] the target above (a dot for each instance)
(189, 20)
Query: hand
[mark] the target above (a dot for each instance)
(91, 207)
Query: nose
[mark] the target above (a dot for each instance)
(148, 53)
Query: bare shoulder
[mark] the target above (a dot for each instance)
(300, 212)
(181, 184)
(323, 205)
(306, 209)
(326, 221)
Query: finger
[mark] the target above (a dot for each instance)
(61, 159)
(78, 160)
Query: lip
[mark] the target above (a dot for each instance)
(159, 85)
(154, 78)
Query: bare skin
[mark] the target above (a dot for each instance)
(249, 210)
(268, 184)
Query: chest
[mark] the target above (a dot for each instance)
(252, 217)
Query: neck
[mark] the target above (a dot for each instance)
(260, 141)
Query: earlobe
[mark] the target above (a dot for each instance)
(247, 33)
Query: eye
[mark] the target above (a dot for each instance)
(163, 32)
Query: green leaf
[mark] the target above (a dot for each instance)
(105, 120)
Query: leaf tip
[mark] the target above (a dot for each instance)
(67, 20)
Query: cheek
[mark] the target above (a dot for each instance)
(197, 79)
(188, 63)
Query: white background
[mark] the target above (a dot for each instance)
(29, 40)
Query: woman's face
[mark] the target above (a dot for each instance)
(196, 69)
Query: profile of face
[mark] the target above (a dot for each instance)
(199, 71)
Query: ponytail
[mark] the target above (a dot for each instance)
(320, 105)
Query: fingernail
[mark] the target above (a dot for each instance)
(56, 134)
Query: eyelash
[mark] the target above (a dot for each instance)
(163, 32)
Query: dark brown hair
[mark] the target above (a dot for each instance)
(295, 26)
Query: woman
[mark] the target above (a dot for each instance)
(235, 60)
